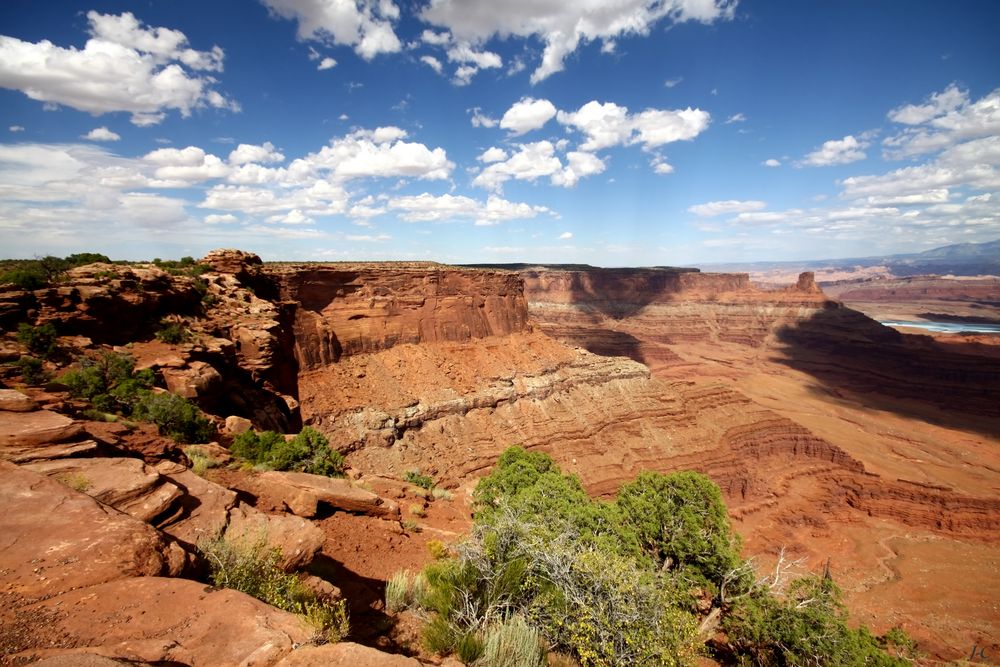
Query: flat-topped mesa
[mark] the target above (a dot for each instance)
(350, 309)
(634, 288)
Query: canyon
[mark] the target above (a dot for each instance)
(841, 441)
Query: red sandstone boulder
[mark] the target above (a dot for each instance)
(302, 492)
(40, 427)
(127, 484)
(169, 621)
(12, 400)
(54, 539)
(228, 260)
(197, 380)
(344, 654)
(298, 539)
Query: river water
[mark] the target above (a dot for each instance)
(947, 327)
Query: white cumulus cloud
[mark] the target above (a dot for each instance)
(563, 26)
(433, 63)
(608, 124)
(713, 208)
(526, 115)
(837, 151)
(101, 134)
(426, 207)
(265, 153)
(124, 66)
(365, 25)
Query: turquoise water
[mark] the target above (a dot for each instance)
(947, 327)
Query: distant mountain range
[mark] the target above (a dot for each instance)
(961, 259)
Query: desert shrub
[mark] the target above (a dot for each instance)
(252, 567)
(600, 606)
(806, 625)
(516, 469)
(173, 333)
(513, 643)
(25, 277)
(469, 648)
(176, 417)
(32, 370)
(437, 549)
(681, 522)
(418, 510)
(397, 591)
(309, 451)
(84, 258)
(423, 481)
(110, 382)
(40, 340)
(442, 494)
(200, 461)
(76, 481)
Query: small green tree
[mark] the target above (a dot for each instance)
(309, 451)
(175, 416)
(681, 522)
(40, 340)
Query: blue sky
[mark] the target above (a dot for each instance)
(632, 132)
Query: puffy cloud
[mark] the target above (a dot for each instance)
(564, 25)
(526, 115)
(656, 127)
(673, 83)
(609, 124)
(837, 151)
(471, 61)
(426, 207)
(946, 119)
(479, 119)
(442, 38)
(537, 160)
(493, 154)
(938, 104)
(122, 67)
(579, 165)
(565, 236)
(223, 219)
(605, 125)
(265, 153)
(326, 63)
(16, 128)
(433, 63)
(380, 153)
(293, 217)
(101, 134)
(771, 162)
(713, 208)
(365, 25)
(178, 167)
(530, 162)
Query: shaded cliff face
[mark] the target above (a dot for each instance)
(347, 311)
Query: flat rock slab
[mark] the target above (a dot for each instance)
(344, 654)
(298, 539)
(128, 485)
(174, 621)
(54, 539)
(301, 492)
(60, 450)
(204, 506)
(12, 400)
(41, 427)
